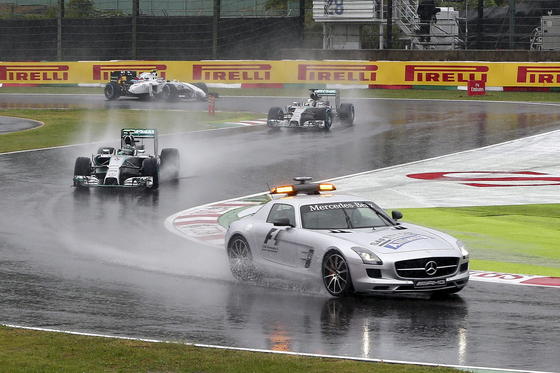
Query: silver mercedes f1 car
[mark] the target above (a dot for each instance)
(347, 243)
(130, 166)
(313, 112)
(149, 85)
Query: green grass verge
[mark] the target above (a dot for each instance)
(33, 351)
(63, 127)
(514, 239)
(431, 93)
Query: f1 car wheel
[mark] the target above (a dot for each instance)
(82, 167)
(150, 168)
(336, 274)
(328, 120)
(275, 113)
(170, 162)
(169, 93)
(112, 91)
(347, 113)
(202, 86)
(241, 259)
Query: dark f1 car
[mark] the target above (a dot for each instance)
(313, 112)
(130, 166)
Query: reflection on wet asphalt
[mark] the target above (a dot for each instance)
(104, 263)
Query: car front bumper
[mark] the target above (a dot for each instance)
(388, 282)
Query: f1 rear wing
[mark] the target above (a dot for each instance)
(328, 93)
(140, 133)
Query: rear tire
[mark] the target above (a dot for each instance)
(169, 93)
(202, 86)
(328, 120)
(241, 259)
(150, 168)
(347, 113)
(112, 91)
(275, 113)
(170, 162)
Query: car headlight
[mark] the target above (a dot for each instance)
(367, 256)
(464, 252)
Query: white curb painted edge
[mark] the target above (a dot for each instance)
(303, 354)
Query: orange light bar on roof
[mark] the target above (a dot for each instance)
(326, 187)
(284, 189)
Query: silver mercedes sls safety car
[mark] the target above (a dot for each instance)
(350, 244)
(149, 85)
(130, 166)
(314, 112)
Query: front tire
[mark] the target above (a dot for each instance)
(150, 168)
(336, 274)
(112, 91)
(241, 259)
(82, 167)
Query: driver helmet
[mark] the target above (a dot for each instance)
(129, 140)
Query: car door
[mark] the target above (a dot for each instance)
(277, 241)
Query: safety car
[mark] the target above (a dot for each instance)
(346, 242)
(130, 166)
(149, 85)
(314, 112)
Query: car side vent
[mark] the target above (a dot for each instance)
(338, 231)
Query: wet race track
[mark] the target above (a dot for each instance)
(104, 263)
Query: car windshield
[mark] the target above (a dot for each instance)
(342, 215)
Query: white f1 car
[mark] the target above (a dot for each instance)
(149, 85)
(349, 244)
(313, 112)
(127, 167)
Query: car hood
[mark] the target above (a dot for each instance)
(395, 240)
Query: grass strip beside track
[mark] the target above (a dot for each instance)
(512, 239)
(36, 351)
(71, 126)
(296, 92)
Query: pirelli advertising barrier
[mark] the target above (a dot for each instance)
(368, 73)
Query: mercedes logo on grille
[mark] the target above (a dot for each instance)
(431, 268)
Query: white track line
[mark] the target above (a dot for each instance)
(303, 354)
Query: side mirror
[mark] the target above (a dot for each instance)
(282, 222)
(396, 215)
